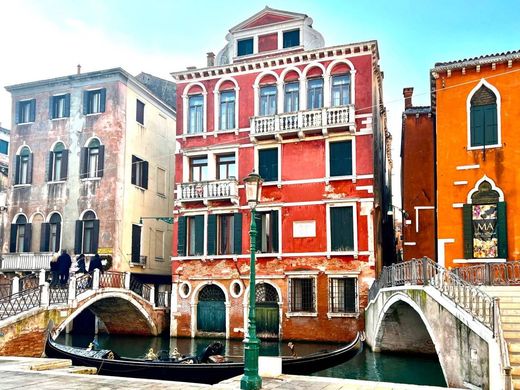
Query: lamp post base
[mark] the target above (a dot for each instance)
(251, 380)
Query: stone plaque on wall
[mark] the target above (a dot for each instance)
(304, 229)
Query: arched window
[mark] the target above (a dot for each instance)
(87, 234)
(20, 235)
(485, 226)
(58, 163)
(227, 109)
(51, 234)
(23, 174)
(92, 160)
(483, 118)
(195, 114)
(340, 92)
(268, 97)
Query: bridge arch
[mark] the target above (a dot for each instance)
(131, 306)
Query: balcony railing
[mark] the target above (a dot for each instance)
(25, 261)
(208, 190)
(322, 119)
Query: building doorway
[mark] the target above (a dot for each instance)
(267, 312)
(211, 310)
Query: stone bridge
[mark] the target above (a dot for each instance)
(419, 307)
(120, 306)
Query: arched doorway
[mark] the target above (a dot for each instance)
(211, 309)
(267, 312)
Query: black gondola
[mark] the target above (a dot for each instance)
(109, 363)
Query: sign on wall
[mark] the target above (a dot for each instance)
(485, 239)
(303, 229)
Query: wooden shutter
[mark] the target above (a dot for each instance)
(502, 230)
(340, 158)
(45, 237)
(67, 105)
(17, 169)
(51, 107)
(212, 234)
(103, 100)
(274, 230)
(259, 232)
(17, 113)
(237, 233)
(467, 224)
(199, 234)
(341, 228)
(12, 239)
(86, 98)
(101, 161)
(136, 243)
(64, 164)
(350, 295)
(78, 238)
(145, 174)
(83, 163)
(58, 237)
(477, 126)
(95, 237)
(50, 164)
(27, 238)
(32, 110)
(134, 170)
(181, 236)
(490, 124)
(268, 164)
(30, 168)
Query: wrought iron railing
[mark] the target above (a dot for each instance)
(20, 302)
(112, 279)
(491, 274)
(162, 299)
(140, 289)
(425, 272)
(83, 283)
(58, 295)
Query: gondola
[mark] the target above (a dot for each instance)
(191, 369)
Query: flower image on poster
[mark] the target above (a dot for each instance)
(485, 240)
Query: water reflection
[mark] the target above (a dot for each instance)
(366, 365)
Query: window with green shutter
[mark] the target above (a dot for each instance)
(195, 235)
(340, 158)
(268, 164)
(267, 237)
(483, 118)
(342, 229)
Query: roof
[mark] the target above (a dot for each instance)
(417, 110)
(483, 59)
(283, 16)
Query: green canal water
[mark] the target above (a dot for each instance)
(366, 365)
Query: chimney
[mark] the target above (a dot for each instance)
(79, 69)
(407, 93)
(211, 58)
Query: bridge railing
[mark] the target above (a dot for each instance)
(112, 279)
(141, 289)
(426, 272)
(20, 302)
(491, 274)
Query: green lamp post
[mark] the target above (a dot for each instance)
(251, 380)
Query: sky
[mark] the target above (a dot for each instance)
(42, 39)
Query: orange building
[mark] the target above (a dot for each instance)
(476, 104)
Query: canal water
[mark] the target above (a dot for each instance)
(418, 370)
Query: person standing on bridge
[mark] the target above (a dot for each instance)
(95, 263)
(64, 263)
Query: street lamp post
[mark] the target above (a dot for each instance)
(251, 380)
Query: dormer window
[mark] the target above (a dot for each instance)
(291, 38)
(245, 47)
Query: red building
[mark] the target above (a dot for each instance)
(417, 180)
(310, 120)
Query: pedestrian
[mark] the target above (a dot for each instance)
(80, 264)
(64, 263)
(54, 270)
(95, 263)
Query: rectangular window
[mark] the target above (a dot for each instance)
(88, 236)
(139, 112)
(20, 238)
(267, 232)
(94, 101)
(340, 158)
(244, 47)
(57, 160)
(340, 90)
(342, 229)
(268, 164)
(195, 235)
(225, 226)
(268, 100)
(136, 243)
(195, 115)
(139, 172)
(315, 93)
(159, 245)
(227, 110)
(93, 160)
(198, 168)
(342, 295)
(291, 38)
(60, 106)
(292, 97)
(161, 181)
(26, 111)
(302, 293)
(4, 147)
(226, 167)
(24, 169)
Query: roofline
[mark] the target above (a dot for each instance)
(483, 60)
(260, 62)
(95, 74)
(266, 9)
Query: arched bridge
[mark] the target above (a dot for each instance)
(420, 307)
(120, 303)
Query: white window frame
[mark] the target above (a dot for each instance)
(257, 162)
(185, 109)
(260, 209)
(343, 275)
(352, 204)
(302, 275)
(330, 140)
(24, 107)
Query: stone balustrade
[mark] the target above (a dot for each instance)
(25, 261)
(208, 190)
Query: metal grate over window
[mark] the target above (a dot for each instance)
(212, 293)
(266, 293)
(342, 295)
(302, 295)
